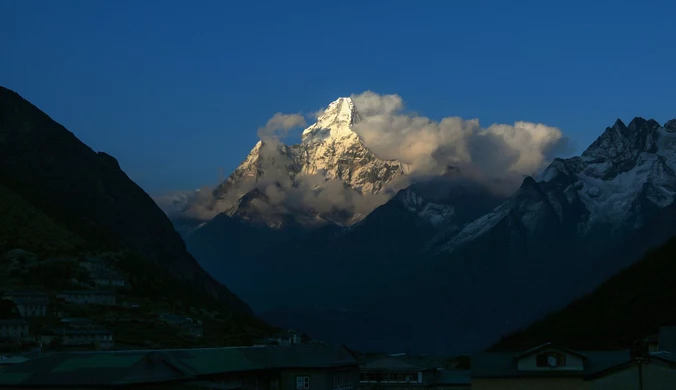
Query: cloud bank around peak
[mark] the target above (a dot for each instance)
(279, 125)
(497, 156)
(429, 146)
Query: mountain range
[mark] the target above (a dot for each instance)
(326, 237)
(444, 264)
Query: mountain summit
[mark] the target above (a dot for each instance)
(334, 123)
(331, 176)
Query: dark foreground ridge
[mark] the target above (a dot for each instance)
(75, 229)
(630, 306)
(89, 194)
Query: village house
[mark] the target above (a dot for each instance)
(175, 319)
(13, 328)
(299, 367)
(18, 259)
(289, 337)
(78, 323)
(97, 297)
(404, 372)
(93, 264)
(398, 372)
(549, 366)
(78, 331)
(29, 303)
(187, 326)
(108, 278)
(97, 336)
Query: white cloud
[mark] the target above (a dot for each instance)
(280, 124)
(429, 146)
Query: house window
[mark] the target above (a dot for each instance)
(302, 382)
(343, 380)
(551, 359)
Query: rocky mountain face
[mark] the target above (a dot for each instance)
(472, 266)
(89, 195)
(351, 271)
(278, 185)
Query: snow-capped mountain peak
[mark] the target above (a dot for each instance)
(670, 125)
(621, 143)
(335, 123)
(331, 156)
(626, 176)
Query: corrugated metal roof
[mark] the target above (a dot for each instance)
(399, 363)
(128, 367)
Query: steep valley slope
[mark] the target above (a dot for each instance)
(60, 199)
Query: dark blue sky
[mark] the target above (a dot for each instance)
(176, 89)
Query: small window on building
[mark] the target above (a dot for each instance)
(302, 382)
(551, 359)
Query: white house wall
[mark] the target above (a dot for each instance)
(529, 363)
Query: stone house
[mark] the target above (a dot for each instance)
(97, 297)
(78, 323)
(108, 278)
(187, 326)
(79, 336)
(13, 328)
(93, 264)
(175, 319)
(284, 339)
(29, 303)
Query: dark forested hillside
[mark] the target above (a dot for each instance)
(89, 193)
(631, 305)
(61, 202)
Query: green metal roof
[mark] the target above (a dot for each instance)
(98, 361)
(399, 363)
(134, 367)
